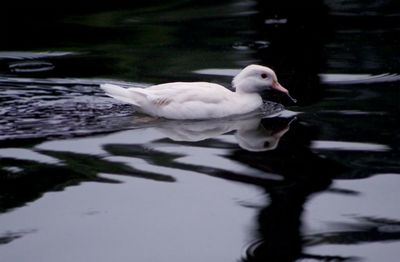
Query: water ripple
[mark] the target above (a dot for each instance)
(15, 55)
(31, 67)
(51, 107)
(345, 79)
(251, 45)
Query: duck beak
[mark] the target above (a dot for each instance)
(278, 87)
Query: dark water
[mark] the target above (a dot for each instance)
(86, 178)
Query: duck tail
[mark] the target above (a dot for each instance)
(122, 94)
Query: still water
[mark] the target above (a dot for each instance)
(86, 178)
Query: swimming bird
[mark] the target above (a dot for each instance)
(201, 100)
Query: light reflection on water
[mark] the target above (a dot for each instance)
(361, 222)
(189, 220)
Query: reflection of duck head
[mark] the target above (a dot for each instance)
(259, 137)
(250, 133)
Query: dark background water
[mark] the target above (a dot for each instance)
(86, 178)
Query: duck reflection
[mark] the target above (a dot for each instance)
(249, 132)
(205, 146)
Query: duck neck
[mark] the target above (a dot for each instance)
(241, 90)
(244, 87)
(238, 88)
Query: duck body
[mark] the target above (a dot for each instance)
(187, 100)
(200, 100)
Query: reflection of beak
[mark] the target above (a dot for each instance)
(278, 87)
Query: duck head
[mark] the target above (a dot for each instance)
(256, 78)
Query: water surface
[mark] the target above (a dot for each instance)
(86, 178)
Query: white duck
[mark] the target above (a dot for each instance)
(201, 100)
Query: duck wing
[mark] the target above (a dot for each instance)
(181, 100)
(183, 92)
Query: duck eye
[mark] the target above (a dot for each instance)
(264, 75)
